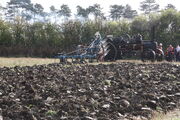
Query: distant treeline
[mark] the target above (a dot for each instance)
(45, 39)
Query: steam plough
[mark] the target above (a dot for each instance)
(111, 49)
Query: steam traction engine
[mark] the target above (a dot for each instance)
(126, 45)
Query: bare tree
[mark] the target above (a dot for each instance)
(116, 11)
(64, 11)
(149, 6)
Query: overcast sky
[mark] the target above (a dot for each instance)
(104, 3)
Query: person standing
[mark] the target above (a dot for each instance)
(160, 46)
(177, 53)
(170, 53)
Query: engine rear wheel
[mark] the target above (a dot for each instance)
(111, 52)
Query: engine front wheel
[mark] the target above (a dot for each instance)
(148, 55)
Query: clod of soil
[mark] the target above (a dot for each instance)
(114, 91)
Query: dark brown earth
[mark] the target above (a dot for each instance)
(88, 92)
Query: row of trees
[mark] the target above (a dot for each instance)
(26, 30)
(35, 12)
(45, 39)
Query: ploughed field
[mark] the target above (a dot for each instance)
(88, 92)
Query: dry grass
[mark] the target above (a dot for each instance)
(11, 62)
(173, 115)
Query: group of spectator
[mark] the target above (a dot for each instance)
(172, 53)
